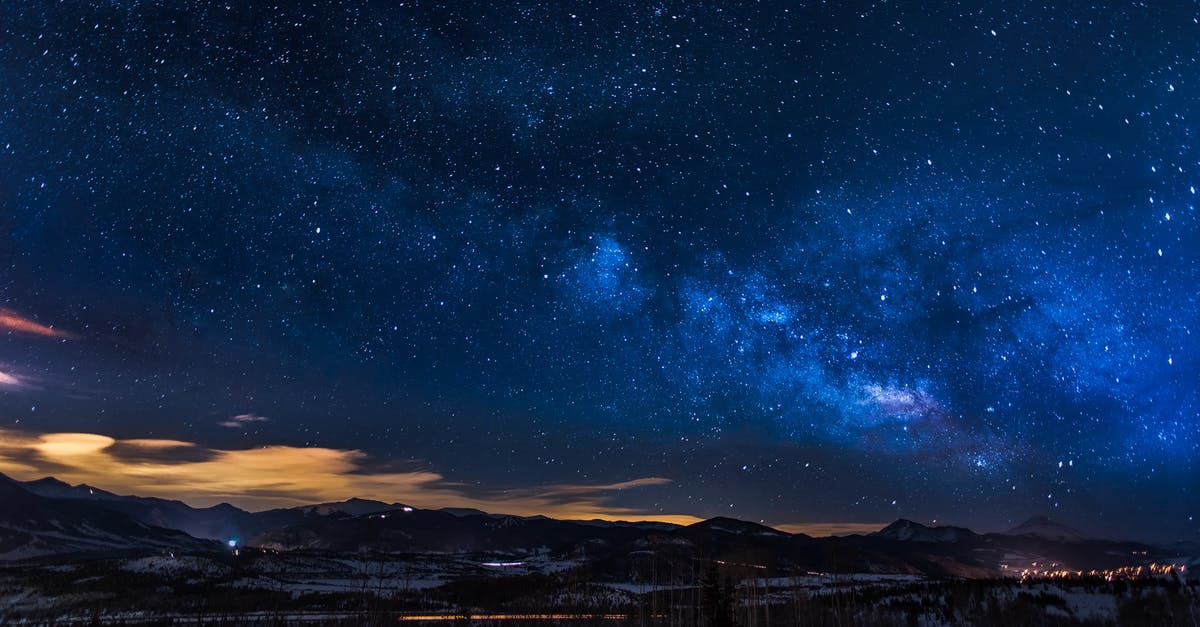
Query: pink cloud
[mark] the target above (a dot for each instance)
(241, 420)
(14, 321)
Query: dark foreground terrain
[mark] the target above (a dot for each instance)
(79, 555)
(267, 588)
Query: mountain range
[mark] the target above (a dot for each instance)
(48, 517)
(33, 525)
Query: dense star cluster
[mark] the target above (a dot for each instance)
(798, 261)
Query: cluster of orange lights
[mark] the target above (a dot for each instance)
(1053, 571)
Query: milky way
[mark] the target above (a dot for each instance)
(797, 262)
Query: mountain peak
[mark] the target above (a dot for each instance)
(1047, 529)
(48, 482)
(351, 507)
(905, 530)
(460, 512)
(733, 525)
(903, 523)
(48, 486)
(51, 487)
(8, 485)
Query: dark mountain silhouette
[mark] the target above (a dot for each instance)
(33, 525)
(463, 511)
(903, 547)
(352, 507)
(721, 524)
(909, 531)
(219, 522)
(48, 516)
(1045, 528)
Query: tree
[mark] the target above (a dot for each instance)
(717, 599)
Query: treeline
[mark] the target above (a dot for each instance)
(653, 592)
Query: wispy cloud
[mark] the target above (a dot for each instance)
(14, 379)
(15, 322)
(10, 380)
(282, 476)
(241, 420)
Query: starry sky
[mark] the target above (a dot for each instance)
(816, 264)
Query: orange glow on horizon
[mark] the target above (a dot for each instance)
(825, 529)
(286, 476)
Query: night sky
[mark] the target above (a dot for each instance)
(800, 262)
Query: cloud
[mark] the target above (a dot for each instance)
(13, 321)
(11, 381)
(241, 420)
(285, 476)
(72, 445)
(634, 483)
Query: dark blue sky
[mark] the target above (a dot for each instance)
(811, 262)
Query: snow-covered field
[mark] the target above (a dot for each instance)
(384, 575)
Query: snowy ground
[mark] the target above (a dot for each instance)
(383, 575)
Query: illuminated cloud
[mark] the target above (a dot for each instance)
(634, 483)
(70, 446)
(241, 420)
(10, 381)
(13, 321)
(284, 476)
